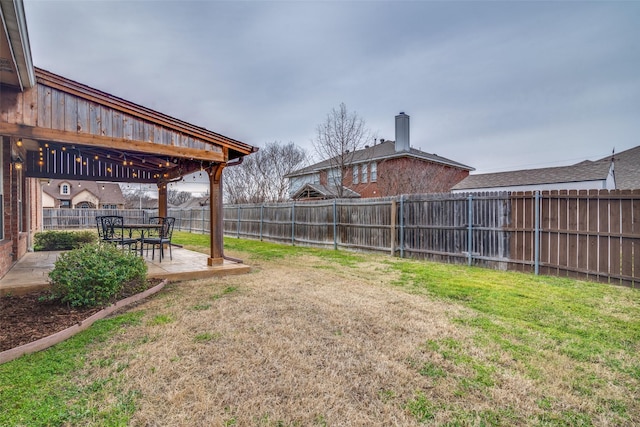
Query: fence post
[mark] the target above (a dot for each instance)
(536, 234)
(261, 216)
(293, 224)
(238, 224)
(470, 229)
(394, 214)
(335, 225)
(402, 226)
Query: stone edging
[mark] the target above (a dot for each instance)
(46, 342)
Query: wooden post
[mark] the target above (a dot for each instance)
(162, 199)
(216, 214)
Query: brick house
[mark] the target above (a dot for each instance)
(387, 168)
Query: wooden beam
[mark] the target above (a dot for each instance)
(105, 142)
(162, 199)
(216, 214)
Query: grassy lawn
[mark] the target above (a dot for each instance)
(319, 337)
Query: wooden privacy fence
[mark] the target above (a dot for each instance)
(82, 219)
(591, 235)
(583, 234)
(192, 220)
(587, 234)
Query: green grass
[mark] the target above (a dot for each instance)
(529, 321)
(576, 318)
(37, 389)
(266, 251)
(206, 337)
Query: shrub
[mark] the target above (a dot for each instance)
(62, 240)
(94, 274)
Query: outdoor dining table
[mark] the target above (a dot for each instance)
(142, 229)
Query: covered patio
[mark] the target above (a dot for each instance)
(52, 127)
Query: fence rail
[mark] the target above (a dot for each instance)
(591, 235)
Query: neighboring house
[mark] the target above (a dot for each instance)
(58, 193)
(387, 168)
(619, 171)
(195, 203)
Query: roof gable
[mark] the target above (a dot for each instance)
(318, 191)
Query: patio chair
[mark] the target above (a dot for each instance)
(165, 232)
(151, 233)
(100, 228)
(113, 232)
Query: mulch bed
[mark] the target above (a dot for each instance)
(25, 318)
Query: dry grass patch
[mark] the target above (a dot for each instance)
(307, 341)
(289, 344)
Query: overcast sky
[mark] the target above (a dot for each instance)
(493, 85)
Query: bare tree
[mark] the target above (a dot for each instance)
(135, 198)
(261, 176)
(337, 139)
(416, 177)
(176, 197)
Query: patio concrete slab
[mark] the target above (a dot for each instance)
(31, 273)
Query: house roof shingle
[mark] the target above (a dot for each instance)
(325, 191)
(626, 170)
(584, 171)
(383, 151)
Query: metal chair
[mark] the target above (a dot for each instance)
(165, 232)
(100, 228)
(113, 232)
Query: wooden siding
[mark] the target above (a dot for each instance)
(71, 111)
(50, 108)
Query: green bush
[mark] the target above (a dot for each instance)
(62, 240)
(94, 274)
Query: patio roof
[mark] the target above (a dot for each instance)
(70, 130)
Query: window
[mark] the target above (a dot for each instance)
(374, 172)
(65, 189)
(334, 177)
(365, 171)
(65, 203)
(356, 173)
